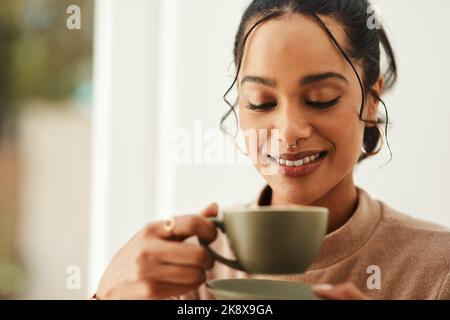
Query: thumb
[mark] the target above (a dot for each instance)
(211, 210)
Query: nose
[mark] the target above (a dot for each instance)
(293, 124)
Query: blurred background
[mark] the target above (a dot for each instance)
(45, 123)
(87, 114)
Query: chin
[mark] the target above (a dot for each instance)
(296, 192)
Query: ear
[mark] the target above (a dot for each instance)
(372, 104)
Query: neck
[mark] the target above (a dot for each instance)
(341, 202)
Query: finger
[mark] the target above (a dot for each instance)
(186, 226)
(350, 292)
(175, 274)
(345, 291)
(163, 290)
(211, 210)
(185, 254)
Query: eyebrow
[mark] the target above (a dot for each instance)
(306, 80)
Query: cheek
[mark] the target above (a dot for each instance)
(245, 125)
(252, 123)
(345, 133)
(253, 120)
(244, 119)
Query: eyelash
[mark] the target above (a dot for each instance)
(261, 107)
(323, 105)
(314, 104)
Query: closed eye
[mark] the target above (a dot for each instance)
(314, 104)
(261, 107)
(323, 104)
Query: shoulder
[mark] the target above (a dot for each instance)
(401, 230)
(425, 241)
(419, 243)
(423, 230)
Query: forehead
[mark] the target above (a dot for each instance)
(293, 45)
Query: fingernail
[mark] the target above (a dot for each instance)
(322, 287)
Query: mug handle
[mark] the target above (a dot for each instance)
(231, 263)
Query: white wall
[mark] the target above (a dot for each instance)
(124, 119)
(162, 65)
(417, 180)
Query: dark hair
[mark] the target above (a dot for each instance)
(363, 46)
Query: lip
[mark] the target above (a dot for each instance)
(299, 171)
(297, 156)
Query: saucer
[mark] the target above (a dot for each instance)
(259, 289)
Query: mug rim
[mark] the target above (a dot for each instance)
(284, 208)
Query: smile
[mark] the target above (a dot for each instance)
(296, 165)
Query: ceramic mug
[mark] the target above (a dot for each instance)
(272, 239)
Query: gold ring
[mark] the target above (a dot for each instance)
(170, 224)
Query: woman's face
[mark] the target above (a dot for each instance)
(295, 80)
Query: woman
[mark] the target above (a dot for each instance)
(311, 70)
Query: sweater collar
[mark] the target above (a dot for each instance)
(349, 238)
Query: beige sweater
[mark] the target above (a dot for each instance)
(413, 256)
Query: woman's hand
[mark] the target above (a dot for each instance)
(343, 291)
(157, 264)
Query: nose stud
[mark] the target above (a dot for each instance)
(292, 146)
